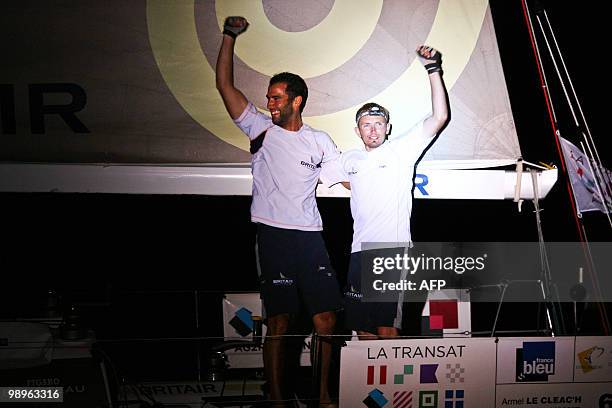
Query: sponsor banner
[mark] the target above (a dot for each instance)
(587, 395)
(535, 360)
(192, 394)
(238, 312)
(593, 359)
(418, 373)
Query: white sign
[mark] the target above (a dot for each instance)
(575, 395)
(238, 312)
(419, 373)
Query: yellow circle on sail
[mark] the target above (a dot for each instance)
(174, 40)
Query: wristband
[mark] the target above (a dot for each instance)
(230, 33)
(433, 67)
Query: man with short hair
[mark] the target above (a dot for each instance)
(381, 182)
(288, 156)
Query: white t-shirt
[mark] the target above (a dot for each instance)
(381, 189)
(286, 170)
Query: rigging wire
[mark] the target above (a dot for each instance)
(552, 116)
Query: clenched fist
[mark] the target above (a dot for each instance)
(235, 25)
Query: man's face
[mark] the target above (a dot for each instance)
(372, 130)
(279, 105)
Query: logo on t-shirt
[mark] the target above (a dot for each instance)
(353, 293)
(311, 166)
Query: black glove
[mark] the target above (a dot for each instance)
(234, 26)
(431, 58)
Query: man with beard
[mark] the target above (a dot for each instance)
(288, 156)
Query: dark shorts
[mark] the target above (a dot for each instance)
(295, 272)
(367, 315)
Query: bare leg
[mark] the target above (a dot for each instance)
(273, 353)
(324, 324)
(387, 332)
(365, 335)
(382, 333)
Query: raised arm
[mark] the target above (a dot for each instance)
(234, 100)
(432, 60)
